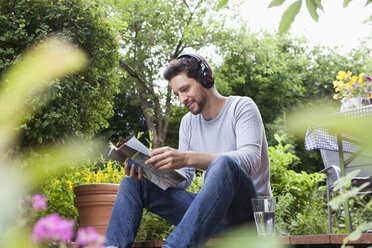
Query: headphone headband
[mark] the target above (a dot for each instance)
(205, 76)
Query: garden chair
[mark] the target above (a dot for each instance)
(333, 172)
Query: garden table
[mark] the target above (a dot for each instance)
(321, 134)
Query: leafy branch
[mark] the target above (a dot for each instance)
(292, 11)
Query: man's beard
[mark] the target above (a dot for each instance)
(199, 104)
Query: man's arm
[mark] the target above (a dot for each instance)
(169, 158)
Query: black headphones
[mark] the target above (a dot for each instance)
(205, 77)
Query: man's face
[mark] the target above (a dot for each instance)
(190, 92)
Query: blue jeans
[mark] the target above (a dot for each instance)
(223, 202)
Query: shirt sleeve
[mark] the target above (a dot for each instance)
(183, 145)
(249, 134)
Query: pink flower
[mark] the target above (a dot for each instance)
(39, 202)
(88, 237)
(53, 228)
(368, 78)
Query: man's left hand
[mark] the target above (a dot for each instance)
(167, 158)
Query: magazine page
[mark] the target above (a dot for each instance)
(137, 145)
(134, 151)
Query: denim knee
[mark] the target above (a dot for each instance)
(128, 184)
(222, 163)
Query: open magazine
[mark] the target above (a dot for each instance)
(135, 153)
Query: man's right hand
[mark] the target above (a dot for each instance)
(131, 171)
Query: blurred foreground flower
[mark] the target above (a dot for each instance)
(88, 237)
(53, 228)
(39, 202)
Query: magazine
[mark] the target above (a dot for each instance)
(135, 153)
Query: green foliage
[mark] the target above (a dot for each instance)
(59, 190)
(360, 205)
(79, 103)
(153, 227)
(292, 11)
(157, 33)
(267, 68)
(280, 72)
(301, 196)
(289, 16)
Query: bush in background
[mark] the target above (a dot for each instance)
(78, 104)
(301, 207)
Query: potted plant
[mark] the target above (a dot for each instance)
(95, 197)
(353, 91)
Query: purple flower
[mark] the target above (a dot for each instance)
(355, 86)
(53, 228)
(88, 237)
(369, 90)
(39, 202)
(368, 78)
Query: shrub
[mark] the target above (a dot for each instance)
(301, 207)
(78, 104)
(59, 190)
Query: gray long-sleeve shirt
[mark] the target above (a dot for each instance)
(237, 132)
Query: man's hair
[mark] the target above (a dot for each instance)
(188, 65)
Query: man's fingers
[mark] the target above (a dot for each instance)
(159, 157)
(159, 150)
(161, 163)
(140, 173)
(126, 168)
(133, 171)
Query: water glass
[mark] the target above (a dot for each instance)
(264, 214)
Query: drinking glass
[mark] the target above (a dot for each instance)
(264, 214)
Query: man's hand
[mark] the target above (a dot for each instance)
(131, 171)
(167, 158)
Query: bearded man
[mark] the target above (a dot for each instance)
(225, 137)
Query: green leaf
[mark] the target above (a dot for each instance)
(319, 4)
(368, 2)
(275, 3)
(221, 4)
(312, 7)
(355, 235)
(289, 16)
(346, 3)
(345, 181)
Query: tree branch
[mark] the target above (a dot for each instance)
(134, 74)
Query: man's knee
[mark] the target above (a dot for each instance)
(222, 163)
(128, 184)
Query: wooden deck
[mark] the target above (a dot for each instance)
(300, 241)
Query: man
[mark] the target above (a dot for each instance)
(223, 136)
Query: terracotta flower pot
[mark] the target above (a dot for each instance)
(94, 203)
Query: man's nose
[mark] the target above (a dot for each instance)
(183, 98)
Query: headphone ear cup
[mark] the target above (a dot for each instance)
(207, 79)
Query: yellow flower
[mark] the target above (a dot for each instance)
(335, 96)
(69, 185)
(354, 78)
(349, 73)
(350, 84)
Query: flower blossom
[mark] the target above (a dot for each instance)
(39, 202)
(52, 228)
(88, 237)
